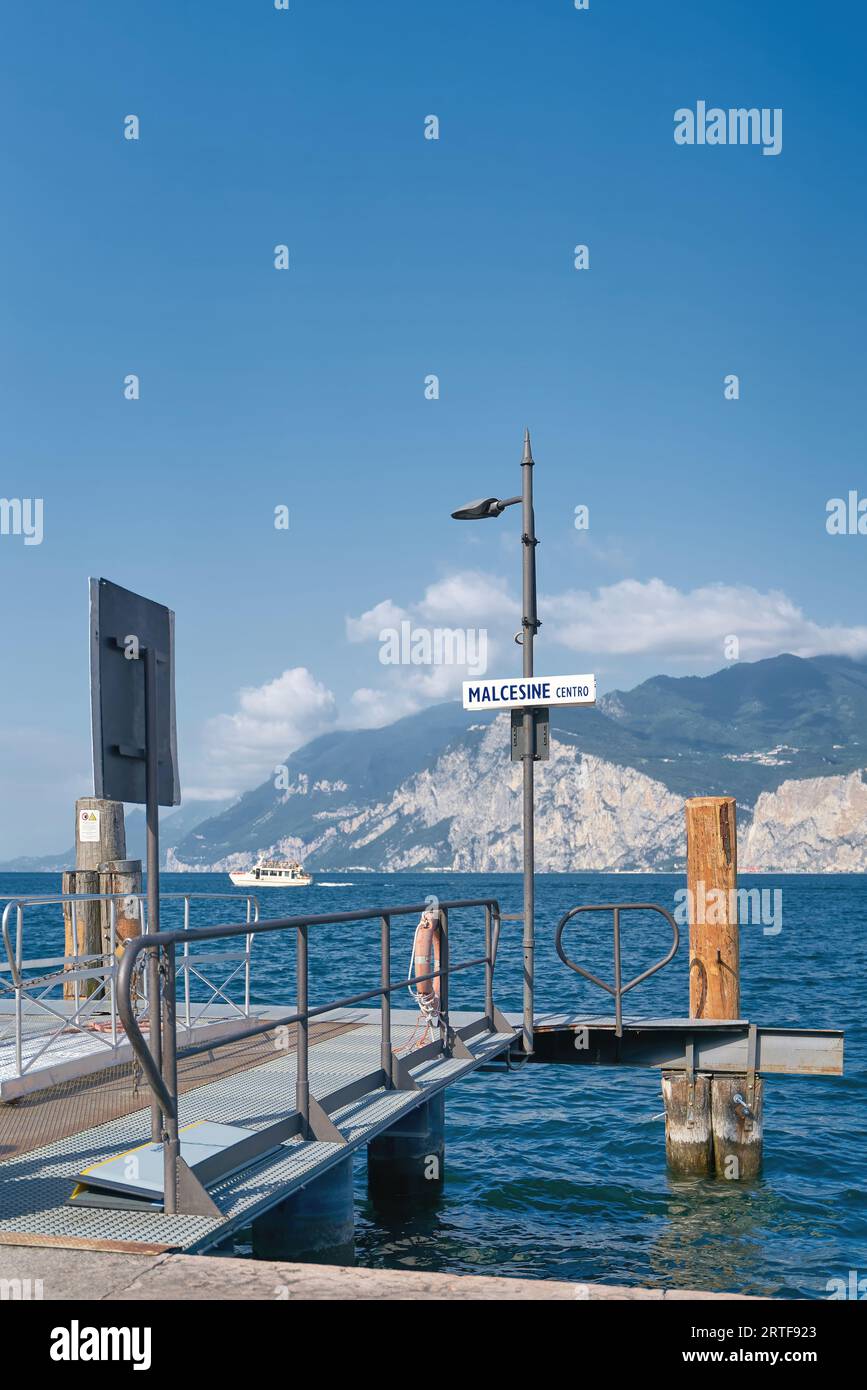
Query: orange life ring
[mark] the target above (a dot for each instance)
(426, 958)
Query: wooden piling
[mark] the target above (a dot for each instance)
(688, 1134)
(81, 927)
(736, 1118)
(100, 837)
(734, 1102)
(712, 880)
(120, 876)
(100, 834)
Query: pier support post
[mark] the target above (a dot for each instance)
(120, 876)
(82, 935)
(688, 1133)
(315, 1224)
(737, 1127)
(99, 835)
(712, 881)
(733, 1104)
(408, 1160)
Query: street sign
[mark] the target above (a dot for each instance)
(540, 734)
(123, 627)
(528, 691)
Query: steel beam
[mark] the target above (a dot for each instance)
(668, 1044)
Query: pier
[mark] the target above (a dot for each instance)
(283, 1097)
(148, 1107)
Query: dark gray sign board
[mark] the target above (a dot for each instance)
(121, 624)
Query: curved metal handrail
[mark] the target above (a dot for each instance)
(11, 955)
(618, 989)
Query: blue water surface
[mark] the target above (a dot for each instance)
(559, 1172)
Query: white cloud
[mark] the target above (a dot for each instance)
(371, 709)
(405, 690)
(634, 618)
(368, 627)
(651, 620)
(469, 599)
(273, 720)
(197, 793)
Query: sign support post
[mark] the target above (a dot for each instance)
(530, 697)
(530, 624)
(135, 759)
(152, 819)
(161, 1002)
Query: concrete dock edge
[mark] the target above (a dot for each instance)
(34, 1272)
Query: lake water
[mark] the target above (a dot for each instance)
(559, 1172)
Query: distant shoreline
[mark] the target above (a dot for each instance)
(482, 873)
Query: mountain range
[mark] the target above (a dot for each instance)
(174, 826)
(787, 737)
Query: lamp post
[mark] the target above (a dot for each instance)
(478, 511)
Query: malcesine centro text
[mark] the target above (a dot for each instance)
(532, 690)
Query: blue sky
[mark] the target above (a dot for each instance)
(411, 257)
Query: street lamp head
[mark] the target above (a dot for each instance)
(479, 510)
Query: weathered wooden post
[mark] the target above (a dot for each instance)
(719, 1117)
(99, 832)
(121, 876)
(737, 1111)
(81, 923)
(688, 1134)
(100, 854)
(712, 882)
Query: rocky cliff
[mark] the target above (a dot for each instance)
(818, 825)
(786, 737)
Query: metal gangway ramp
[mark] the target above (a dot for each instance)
(295, 1093)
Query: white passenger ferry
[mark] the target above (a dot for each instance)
(272, 873)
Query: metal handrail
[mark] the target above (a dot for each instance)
(99, 966)
(162, 1078)
(13, 955)
(618, 989)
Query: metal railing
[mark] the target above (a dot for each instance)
(92, 975)
(310, 1117)
(618, 989)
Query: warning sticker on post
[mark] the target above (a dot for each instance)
(88, 827)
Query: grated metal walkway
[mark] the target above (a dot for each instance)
(43, 1117)
(34, 1186)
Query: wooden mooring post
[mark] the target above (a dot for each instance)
(101, 866)
(713, 1123)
